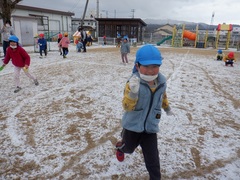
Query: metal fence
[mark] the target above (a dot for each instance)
(152, 38)
(115, 41)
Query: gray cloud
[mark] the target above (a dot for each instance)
(186, 10)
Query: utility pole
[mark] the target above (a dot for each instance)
(84, 13)
(212, 18)
(132, 10)
(97, 11)
(207, 31)
(97, 28)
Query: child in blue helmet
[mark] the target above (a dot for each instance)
(20, 60)
(125, 49)
(144, 96)
(220, 55)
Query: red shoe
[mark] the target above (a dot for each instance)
(119, 153)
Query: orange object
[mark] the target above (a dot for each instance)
(189, 35)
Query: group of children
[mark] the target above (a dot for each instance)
(229, 59)
(63, 43)
(144, 96)
(81, 43)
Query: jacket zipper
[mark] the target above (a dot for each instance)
(150, 105)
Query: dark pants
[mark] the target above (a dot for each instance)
(229, 62)
(43, 50)
(84, 45)
(219, 58)
(148, 143)
(65, 51)
(5, 46)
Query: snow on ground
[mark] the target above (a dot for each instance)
(67, 127)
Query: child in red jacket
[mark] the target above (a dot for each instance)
(20, 60)
(229, 59)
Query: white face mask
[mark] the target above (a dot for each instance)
(147, 77)
(14, 47)
(7, 25)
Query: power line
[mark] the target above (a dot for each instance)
(75, 6)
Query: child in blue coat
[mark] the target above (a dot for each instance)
(42, 45)
(124, 49)
(144, 96)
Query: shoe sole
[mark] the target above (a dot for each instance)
(17, 90)
(120, 156)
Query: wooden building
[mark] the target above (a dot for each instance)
(131, 27)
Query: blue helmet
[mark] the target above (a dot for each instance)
(149, 55)
(13, 38)
(219, 51)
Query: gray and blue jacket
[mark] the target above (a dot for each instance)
(147, 113)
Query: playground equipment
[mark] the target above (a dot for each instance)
(189, 35)
(182, 37)
(224, 39)
(180, 33)
(177, 36)
(163, 40)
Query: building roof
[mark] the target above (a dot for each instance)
(42, 10)
(123, 19)
(85, 19)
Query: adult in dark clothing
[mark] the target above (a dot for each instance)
(83, 37)
(6, 31)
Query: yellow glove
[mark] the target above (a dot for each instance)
(25, 68)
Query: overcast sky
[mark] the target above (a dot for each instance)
(226, 11)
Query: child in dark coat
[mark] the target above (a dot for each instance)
(58, 41)
(42, 45)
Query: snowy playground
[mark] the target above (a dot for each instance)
(67, 127)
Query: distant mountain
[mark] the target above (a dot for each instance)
(153, 24)
(167, 21)
(172, 22)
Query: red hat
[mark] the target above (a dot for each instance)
(231, 55)
(41, 35)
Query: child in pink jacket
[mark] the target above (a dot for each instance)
(64, 43)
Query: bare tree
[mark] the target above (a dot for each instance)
(6, 8)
